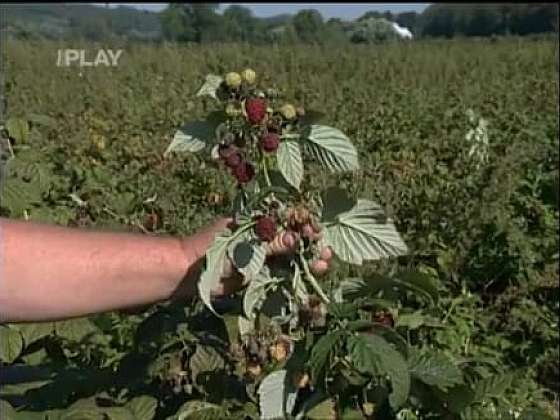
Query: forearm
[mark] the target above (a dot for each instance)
(50, 272)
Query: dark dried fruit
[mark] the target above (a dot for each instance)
(269, 142)
(225, 150)
(244, 172)
(256, 110)
(233, 160)
(265, 228)
(384, 318)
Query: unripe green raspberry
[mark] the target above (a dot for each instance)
(288, 111)
(249, 76)
(233, 80)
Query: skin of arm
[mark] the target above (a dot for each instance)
(50, 272)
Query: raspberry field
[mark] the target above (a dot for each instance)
(89, 152)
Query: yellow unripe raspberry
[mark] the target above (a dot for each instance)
(288, 111)
(249, 76)
(233, 80)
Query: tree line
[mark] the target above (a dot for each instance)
(202, 23)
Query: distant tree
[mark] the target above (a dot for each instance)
(309, 26)
(439, 20)
(239, 23)
(336, 29)
(408, 20)
(177, 23)
(370, 14)
(389, 16)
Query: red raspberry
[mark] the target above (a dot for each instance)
(256, 110)
(269, 142)
(265, 228)
(244, 172)
(234, 160)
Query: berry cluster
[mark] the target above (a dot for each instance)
(240, 168)
(260, 349)
(252, 112)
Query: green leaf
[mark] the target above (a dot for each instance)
(277, 396)
(343, 310)
(205, 359)
(34, 332)
(373, 355)
(319, 404)
(290, 162)
(199, 410)
(41, 119)
(75, 329)
(215, 259)
(434, 368)
(325, 410)
(192, 137)
(256, 292)
(360, 325)
(247, 258)
(210, 86)
(11, 344)
(143, 407)
(418, 281)
(361, 234)
(7, 412)
(411, 321)
(245, 325)
(84, 409)
(321, 353)
(17, 196)
(331, 148)
(18, 128)
(491, 387)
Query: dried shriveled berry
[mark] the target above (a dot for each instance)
(384, 318)
(256, 110)
(269, 142)
(225, 150)
(265, 228)
(301, 380)
(234, 160)
(254, 369)
(281, 349)
(244, 172)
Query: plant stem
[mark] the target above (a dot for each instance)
(266, 177)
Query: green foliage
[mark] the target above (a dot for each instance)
(485, 241)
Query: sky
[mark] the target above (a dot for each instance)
(328, 10)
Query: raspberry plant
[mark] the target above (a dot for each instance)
(326, 341)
